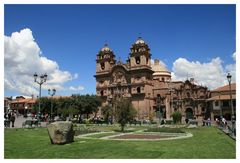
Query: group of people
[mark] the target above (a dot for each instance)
(43, 118)
(9, 117)
(207, 122)
(221, 122)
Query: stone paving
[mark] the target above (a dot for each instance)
(20, 119)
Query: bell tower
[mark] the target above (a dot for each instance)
(140, 54)
(105, 59)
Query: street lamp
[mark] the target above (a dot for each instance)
(25, 110)
(51, 94)
(219, 97)
(42, 79)
(170, 90)
(159, 108)
(171, 101)
(229, 76)
(149, 110)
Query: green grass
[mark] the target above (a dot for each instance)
(207, 142)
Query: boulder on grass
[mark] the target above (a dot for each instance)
(61, 132)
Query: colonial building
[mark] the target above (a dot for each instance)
(7, 101)
(220, 101)
(22, 104)
(148, 85)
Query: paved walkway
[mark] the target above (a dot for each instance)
(227, 130)
(20, 119)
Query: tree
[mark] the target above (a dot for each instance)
(107, 112)
(86, 104)
(79, 103)
(45, 105)
(67, 106)
(62, 106)
(93, 103)
(124, 112)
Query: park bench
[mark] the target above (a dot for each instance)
(135, 122)
(31, 124)
(193, 122)
(168, 121)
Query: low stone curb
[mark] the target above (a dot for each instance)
(177, 136)
(94, 133)
(226, 131)
(187, 135)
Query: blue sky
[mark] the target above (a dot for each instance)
(71, 35)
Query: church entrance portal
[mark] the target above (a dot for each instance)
(189, 113)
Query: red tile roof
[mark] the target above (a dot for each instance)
(23, 101)
(225, 88)
(222, 97)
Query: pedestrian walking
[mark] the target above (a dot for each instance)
(224, 122)
(217, 121)
(12, 119)
(209, 122)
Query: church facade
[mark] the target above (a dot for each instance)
(148, 85)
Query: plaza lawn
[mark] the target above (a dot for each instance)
(207, 142)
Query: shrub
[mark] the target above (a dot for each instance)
(177, 117)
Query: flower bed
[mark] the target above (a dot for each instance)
(165, 129)
(141, 136)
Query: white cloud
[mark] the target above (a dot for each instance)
(78, 88)
(75, 76)
(211, 74)
(22, 59)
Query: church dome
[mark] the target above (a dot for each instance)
(106, 53)
(139, 41)
(160, 69)
(105, 48)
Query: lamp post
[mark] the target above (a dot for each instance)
(171, 102)
(42, 79)
(51, 94)
(110, 103)
(159, 108)
(229, 76)
(219, 97)
(149, 97)
(25, 110)
(170, 90)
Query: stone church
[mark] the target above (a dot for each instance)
(148, 85)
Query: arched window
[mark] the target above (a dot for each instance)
(163, 79)
(101, 92)
(137, 60)
(102, 66)
(138, 78)
(138, 90)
